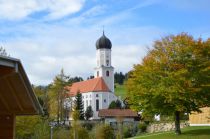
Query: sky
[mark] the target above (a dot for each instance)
(48, 35)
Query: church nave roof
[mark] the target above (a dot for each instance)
(92, 85)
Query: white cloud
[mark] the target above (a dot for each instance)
(43, 54)
(46, 48)
(18, 9)
(60, 8)
(124, 57)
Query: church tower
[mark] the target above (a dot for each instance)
(104, 68)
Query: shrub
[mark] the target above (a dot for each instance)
(88, 125)
(104, 132)
(127, 132)
(81, 133)
(142, 127)
(61, 133)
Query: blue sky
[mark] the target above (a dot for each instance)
(48, 35)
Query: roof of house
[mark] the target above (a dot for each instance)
(117, 113)
(16, 93)
(92, 85)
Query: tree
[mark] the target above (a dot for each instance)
(115, 104)
(90, 77)
(34, 126)
(119, 78)
(173, 78)
(79, 106)
(56, 94)
(88, 113)
(72, 80)
(3, 52)
(41, 93)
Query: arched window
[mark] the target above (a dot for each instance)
(107, 73)
(97, 104)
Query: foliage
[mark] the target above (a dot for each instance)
(71, 80)
(119, 78)
(142, 127)
(31, 126)
(60, 133)
(79, 106)
(88, 125)
(88, 113)
(3, 52)
(81, 132)
(77, 130)
(104, 132)
(41, 93)
(34, 127)
(173, 77)
(90, 77)
(127, 132)
(41, 130)
(115, 104)
(75, 115)
(56, 94)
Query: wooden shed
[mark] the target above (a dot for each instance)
(200, 119)
(16, 96)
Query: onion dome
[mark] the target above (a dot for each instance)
(103, 43)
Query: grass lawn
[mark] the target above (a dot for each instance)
(187, 133)
(120, 90)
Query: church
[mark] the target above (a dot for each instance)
(99, 91)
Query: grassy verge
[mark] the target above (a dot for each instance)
(120, 90)
(187, 133)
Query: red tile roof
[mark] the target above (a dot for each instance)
(92, 85)
(117, 113)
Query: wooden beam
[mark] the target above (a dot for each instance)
(13, 91)
(2, 99)
(28, 94)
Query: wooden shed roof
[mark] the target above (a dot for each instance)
(16, 94)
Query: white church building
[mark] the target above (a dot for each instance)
(99, 91)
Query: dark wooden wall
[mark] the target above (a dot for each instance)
(7, 125)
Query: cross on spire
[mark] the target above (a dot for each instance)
(103, 30)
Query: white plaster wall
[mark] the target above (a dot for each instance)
(102, 55)
(89, 99)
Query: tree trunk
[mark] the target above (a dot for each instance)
(177, 123)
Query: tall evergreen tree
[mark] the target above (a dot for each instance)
(79, 106)
(88, 113)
